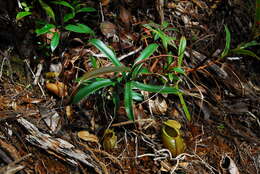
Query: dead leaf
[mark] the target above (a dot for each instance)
(31, 100)
(105, 2)
(158, 106)
(229, 165)
(125, 16)
(69, 112)
(86, 136)
(58, 88)
(108, 29)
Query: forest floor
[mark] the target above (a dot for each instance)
(41, 132)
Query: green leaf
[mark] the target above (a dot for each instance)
(248, 44)
(184, 106)
(55, 41)
(47, 9)
(93, 62)
(128, 100)
(181, 50)
(64, 3)
(156, 37)
(68, 16)
(22, 14)
(165, 24)
(45, 29)
(228, 41)
(156, 88)
(86, 9)
(178, 70)
(104, 70)
(137, 96)
(79, 28)
(146, 53)
(87, 90)
(105, 50)
(245, 52)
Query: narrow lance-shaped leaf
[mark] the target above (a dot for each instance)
(105, 50)
(68, 16)
(228, 41)
(87, 90)
(184, 107)
(63, 3)
(104, 70)
(79, 28)
(245, 52)
(45, 29)
(146, 53)
(47, 9)
(156, 88)
(22, 14)
(181, 50)
(128, 100)
(248, 44)
(55, 41)
(86, 9)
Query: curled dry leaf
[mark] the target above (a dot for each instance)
(158, 106)
(86, 136)
(108, 29)
(58, 88)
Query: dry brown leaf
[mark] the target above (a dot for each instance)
(108, 29)
(31, 100)
(125, 16)
(58, 88)
(86, 136)
(105, 2)
(69, 112)
(158, 106)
